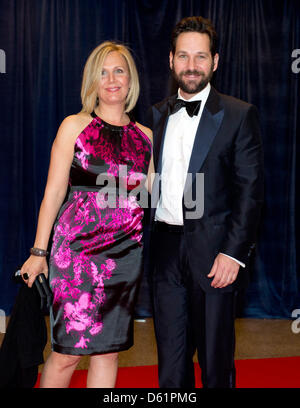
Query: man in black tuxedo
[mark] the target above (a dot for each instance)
(207, 194)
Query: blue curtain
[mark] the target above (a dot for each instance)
(46, 43)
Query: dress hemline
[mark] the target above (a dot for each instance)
(82, 352)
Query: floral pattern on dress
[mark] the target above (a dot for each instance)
(85, 231)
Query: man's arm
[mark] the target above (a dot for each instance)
(247, 192)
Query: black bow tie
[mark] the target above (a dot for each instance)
(192, 108)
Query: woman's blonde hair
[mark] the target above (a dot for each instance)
(92, 74)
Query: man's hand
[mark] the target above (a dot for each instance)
(224, 271)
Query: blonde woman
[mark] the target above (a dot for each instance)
(96, 254)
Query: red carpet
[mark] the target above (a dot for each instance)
(255, 373)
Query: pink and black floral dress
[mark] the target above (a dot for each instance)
(96, 256)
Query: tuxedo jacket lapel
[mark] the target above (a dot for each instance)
(209, 125)
(162, 121)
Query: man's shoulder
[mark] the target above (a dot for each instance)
(162, 105)
(235, 109)
(158, 112)
(232, 102)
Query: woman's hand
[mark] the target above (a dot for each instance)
(33, 267)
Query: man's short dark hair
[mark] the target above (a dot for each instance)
(195, 24)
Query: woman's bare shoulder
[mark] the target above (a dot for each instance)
(73, 125)
(144, 129)
(78, 120)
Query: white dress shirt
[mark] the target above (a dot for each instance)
(177, 149)
(179, 139)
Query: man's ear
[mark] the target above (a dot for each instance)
(171, 56)
(216, 61)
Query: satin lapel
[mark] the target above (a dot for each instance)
(162, 114)
(160, 120)
(160, 141)
(209, 125)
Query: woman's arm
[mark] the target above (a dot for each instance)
(150, 175)
(55, 191)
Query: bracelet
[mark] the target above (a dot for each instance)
(38, 252)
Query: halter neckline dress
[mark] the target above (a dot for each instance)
(96, 256)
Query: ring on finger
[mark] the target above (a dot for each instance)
(25, 276)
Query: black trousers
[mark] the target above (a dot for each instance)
(187, 319)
